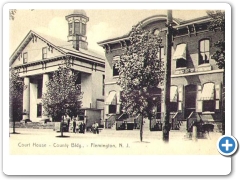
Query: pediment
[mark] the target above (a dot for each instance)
(33, 44)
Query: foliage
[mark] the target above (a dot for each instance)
(218, 22)
(12, 13)
(63, 95)
(140, 70)
(16, 87)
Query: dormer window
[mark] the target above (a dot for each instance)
(204, 46)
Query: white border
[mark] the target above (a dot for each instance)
(131, 165)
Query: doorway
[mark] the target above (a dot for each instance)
(190, 99)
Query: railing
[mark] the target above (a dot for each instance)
(175, 123)
(190, 121)
(110, 121)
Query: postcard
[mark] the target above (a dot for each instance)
(113, 88)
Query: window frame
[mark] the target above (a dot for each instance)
(115, 70)
(213, 101)
(39, 111)
(78, 29)
(204, 51)
(70, 29)
(44, 53)
(183, 61)
(111, 110)
(25, 58)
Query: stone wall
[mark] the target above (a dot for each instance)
(33, 125)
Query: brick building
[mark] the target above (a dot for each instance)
(196, 80)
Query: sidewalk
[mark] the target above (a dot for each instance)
(109, 141)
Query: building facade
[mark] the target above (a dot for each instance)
(38, 56)
(196, 80)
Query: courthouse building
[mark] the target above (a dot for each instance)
(196, 80)
(38, 56)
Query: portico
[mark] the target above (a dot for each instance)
(39, 55)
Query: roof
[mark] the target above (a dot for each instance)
(177, 22)
(79, 11)
(62, 46)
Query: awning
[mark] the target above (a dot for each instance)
(180, 52)
(111, 99)
(173, 94)
(207, 92)
(207, 117)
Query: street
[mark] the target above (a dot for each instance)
(109, 142)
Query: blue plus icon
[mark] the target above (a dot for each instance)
(227, 145)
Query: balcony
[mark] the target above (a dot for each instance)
(200, 68)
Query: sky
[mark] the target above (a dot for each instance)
(102, 25)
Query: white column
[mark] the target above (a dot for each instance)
(26, 98)
(44, 90)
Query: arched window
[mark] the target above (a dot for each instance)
(111, 101)
(204, 48)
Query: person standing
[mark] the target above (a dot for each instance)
(74, 125)
(83, 127)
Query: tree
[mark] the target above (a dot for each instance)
(63, 96)
(12, 13)
(218, 23)
(16, 87)
(140, 70)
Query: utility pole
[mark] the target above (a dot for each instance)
(167, 77)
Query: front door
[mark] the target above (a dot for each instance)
(190, 99)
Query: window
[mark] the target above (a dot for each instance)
(39, 110)
(115, 68)
(158, 113)
(39, 88)
(70, 28)
(44, 53)
(209, 105)
(173, 99)
(84, 29)
(103, 82)
(181, 63)
(112, 109)
(204, 51)
(77, 28)
(25, 57)
(180, 55)
(78, 81)
(208, 97)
